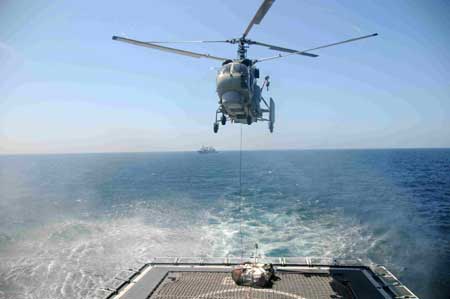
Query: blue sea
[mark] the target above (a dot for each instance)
(69, 223)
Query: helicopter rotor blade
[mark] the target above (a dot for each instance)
(189, 41)
(277, 48)
(166, 49)
(317, 48)
(265, 6)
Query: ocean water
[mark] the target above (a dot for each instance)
(69, 223)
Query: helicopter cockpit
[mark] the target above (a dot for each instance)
(234, 76)
(225, 70)
(239, 68)
(234, 68)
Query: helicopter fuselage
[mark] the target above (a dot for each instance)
(238, 91)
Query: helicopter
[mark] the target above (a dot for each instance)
(240, 96)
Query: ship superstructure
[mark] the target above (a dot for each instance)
(207, 150)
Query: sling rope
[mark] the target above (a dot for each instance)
(240, 197)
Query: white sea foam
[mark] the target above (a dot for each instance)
(277, 233)
(73, 258)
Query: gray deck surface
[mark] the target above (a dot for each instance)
(220, 285)
(216, 283)
(300, 278)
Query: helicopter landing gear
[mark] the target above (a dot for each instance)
(249, 120)
(223, 120)
(216, 123)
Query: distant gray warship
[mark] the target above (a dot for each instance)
(207, 150)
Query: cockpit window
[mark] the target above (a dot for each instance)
(239, 68)
(226, 69)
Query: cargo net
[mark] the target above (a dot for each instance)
(219, 285)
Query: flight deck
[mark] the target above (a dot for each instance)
(297, 277)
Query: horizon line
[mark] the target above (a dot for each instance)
(225, 150)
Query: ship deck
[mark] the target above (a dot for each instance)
(300, 278)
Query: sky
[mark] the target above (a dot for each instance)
(66, 87)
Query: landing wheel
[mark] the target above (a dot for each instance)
(216, 127)
(223, 120)
(249, 120)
